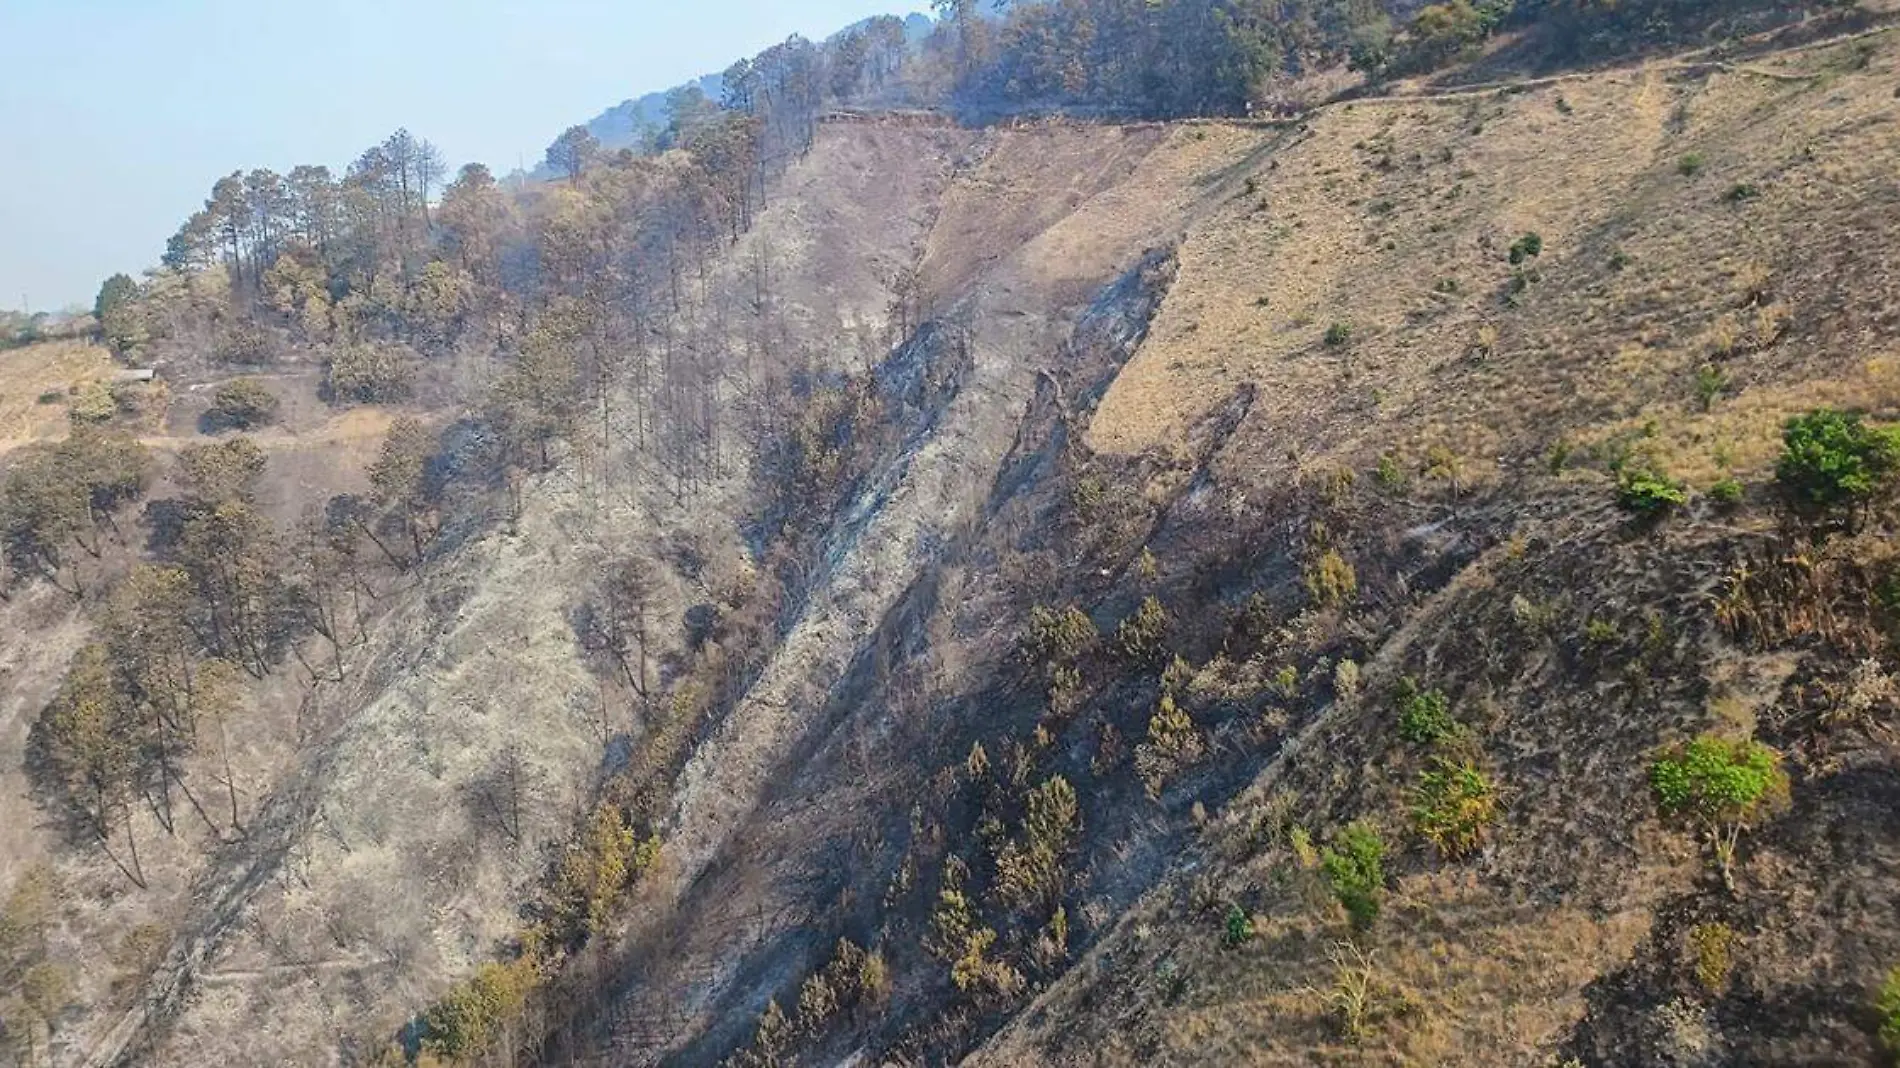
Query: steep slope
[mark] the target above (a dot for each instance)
(1278, 411)
(1578, 644)
(1078, 206)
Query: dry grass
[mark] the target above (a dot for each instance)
(48, 367)
(1361, 219)
(1457, 967)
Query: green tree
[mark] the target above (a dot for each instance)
(477, 1013)
(1887, 1005)
(597, 868)
(62, 495)
(474, 218)
(147, 630)
(1143, 636)
(370, 374)
(225, 471)
(241, 404)
(1831, 458)
(230, 550)
(1174, 743)
(1355, 869)
(399, 483)
(1452, 806)
(1720, 786)
(539, 400)
(1030, 868)
(1424, 715)
(572, 152)
(1647, 492)
(116, 311)
(91, 735)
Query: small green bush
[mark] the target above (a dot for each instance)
(1338, 334)
(1389, 472)
(94, 403)
(1647, 492)
(1528, 247)
(1331, 580)
(1713, 945)
(1355, 869)
(1721, 786)
(1741, 191)
(1088, 496)
(1727, 491)
(1057, 636)
(1689, 165)
(370, 374)
(1143, 636)
(242, 404)
(1830, 458)
(476, 1011)
(1600, 632)
(1888, 1006)
(1709, 384)
(1238, 928)
(1452, 806)
(1424, 715)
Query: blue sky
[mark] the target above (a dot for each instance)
(119, 114)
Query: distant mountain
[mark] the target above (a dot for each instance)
(621, 126)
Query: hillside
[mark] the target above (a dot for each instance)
(863, 588)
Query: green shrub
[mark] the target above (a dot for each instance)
(1712, 944)
(1721, 786)
(1648, 492)
(1709, 384)
(241, 404)
(1619, 260)
(817, 1002)
(1238, 928)
(1087, 496)
(1528, 247)
(476, 1011)
(1741, 191)
(1830, 457)
(1331, 580)
(1727, 491)
(1424, 715)
(1355, 869)
(94, 403)
(370, 374)
(596, 868)
(1338, 334)
(242, 343)
(1452, 805)
(1057, 636)
(1174, 743)
(1389, 472)
(1689, 165)
(1143, 636)
(1888, 1006)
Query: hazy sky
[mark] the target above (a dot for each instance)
(117, 115)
